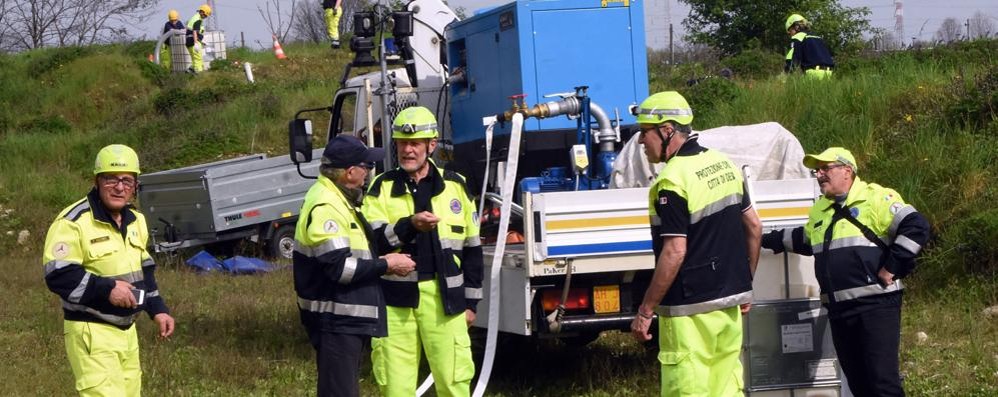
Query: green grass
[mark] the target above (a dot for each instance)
(920, 122)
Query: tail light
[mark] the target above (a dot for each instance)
(578, 298)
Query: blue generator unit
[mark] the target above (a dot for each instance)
(539, 48)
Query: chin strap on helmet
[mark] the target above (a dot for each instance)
(665, 143)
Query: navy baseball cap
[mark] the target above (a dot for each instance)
(345, 151)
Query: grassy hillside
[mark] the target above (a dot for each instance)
(921, 122)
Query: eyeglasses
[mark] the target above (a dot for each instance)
(825, 168)
(650, 129)
(366, 165)
(126, 182)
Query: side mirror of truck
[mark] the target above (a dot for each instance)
(300, 140)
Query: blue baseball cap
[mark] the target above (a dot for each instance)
(345, 151)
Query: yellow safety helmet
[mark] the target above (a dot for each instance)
(415, 122)
(173, 15)
(794, 18)
(664, 106)
(206, 9)
(116, 158)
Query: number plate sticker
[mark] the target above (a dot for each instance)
(606, 299)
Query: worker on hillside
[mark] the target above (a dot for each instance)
(705, 236)
(333, 10)
(336, 275)
(807, 52)
(195, 37)
(864, 239)
(172, 23)
(96, 261)
(426, 212)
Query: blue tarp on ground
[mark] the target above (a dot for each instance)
(243, 265)
(205, 262)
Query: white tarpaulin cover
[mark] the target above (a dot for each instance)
(771, 151)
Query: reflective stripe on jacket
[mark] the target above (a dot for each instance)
(336, 275)
(388, 206)
(703, 189)
(85, 252)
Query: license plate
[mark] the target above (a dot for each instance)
(606, 299)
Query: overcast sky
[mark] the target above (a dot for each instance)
(921, 17)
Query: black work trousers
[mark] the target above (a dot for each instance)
(337, 358)
(867, 346)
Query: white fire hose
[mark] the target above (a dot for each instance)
(512, 161)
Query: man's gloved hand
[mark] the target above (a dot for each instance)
(774, 241)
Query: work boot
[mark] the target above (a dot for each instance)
(192, 71)
(335, 44)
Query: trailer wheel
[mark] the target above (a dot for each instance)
(282, 243)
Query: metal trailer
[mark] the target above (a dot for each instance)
(253, 196)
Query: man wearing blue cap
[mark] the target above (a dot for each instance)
(864, 239)
(336, 275)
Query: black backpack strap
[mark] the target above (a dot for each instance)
(869, 234)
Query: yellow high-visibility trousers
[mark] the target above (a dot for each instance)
(818, 73)
(395, 358)
(699, 354)
(196, 60)
(104, 358)
(333, 23)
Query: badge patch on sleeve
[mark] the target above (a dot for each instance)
(474, 217)
(455, 206)
(330, 227)
(895, 208)
(60, 250)
(663, 200)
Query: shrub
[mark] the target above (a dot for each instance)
(173, 100)
(709, 92)
(972, 242)
(755, 64)
(157, 74)
(974, 104)
(54, 58)
(46, 124)
(139, 49)
(222, 65)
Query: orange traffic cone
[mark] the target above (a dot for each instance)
(278, 51)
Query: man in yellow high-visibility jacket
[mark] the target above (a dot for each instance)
(705, 236)
(807, 52)
(336, 275)
(96, 261)
(195, 38)
(426, 212)
(864, 239)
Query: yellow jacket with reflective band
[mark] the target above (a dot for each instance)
(196, 19)
(85, 253)
(388, 206)
(336, 275)
(846, 262)
(715, 273)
